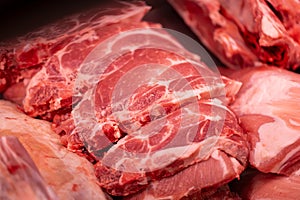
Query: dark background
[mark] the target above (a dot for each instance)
(18, 17)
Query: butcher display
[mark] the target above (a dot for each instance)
(109, 104)
(246, 33)
(169, 113)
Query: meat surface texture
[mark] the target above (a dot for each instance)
(267, 106)
(248, 33)
(255, 185)
(204, 177)
(24, 56)
(68, 175)
(127, 96)
(19, 177)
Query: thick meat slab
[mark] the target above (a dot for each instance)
(245, 33)
(70, 176)
(268, 108)
(195, 182)
(19, 176)
(138, 158)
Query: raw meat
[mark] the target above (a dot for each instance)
(288, 12)
(126, 114)
(196, 182)
(268, 108)
(254, 185)
(137, 159)
(70, 176)
(19, 177)
(136, 91)
(243, 34)
(22, 57)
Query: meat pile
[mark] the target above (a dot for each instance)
(152, 119)
(261, 36)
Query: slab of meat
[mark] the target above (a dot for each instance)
(19, 176)
(199, 181)
(22, 57)
(156, 108)
(254, 185)
(139, 158)
(70, 176)
(267, 106)
(243, 34)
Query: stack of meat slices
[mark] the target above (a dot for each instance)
(263, 35)
(150, 116)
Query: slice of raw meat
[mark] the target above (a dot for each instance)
(52, 87)
(268, 108)
(70, 176)
(255, 185)
(19, 177)
(155, 71)
(241, 34)
(22, 57)
(199, 181)
(164, 147)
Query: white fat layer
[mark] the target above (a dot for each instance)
(297, 173)
(236, 166)
(294, 123)
(216, 155)
(268, 27)
(263, 92)
(273, 142)
(280, 165)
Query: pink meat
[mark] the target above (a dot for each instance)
(288, 12)
(166, 146)
(20, 178)
(243, 34)
(200, 181)
(124, 88)
(171, 82)
(267, 106)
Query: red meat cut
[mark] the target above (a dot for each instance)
(196, 182)
(246, 33)
(69, 175)
(19, 175)
(171, 114)
(267, 106)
